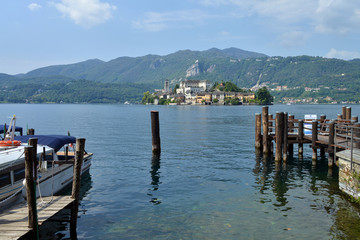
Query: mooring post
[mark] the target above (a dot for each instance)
(265, 119)
(279, 126)
(31, 131)
(33, 142)
(30, 189)
(348, 113)
(354, 119)
(343, 112)
(322, 128)
(79, 155)
(314, 134)
(291, 130)
(339, 117)
(271, 130)
(285, 136)
(258, 137)
(357, 135)
(155, 130)
(301, 136)
(331, 158)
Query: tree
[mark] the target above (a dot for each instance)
(148, 98)
(263, 96)
(176, 87)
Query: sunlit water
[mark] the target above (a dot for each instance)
(208, 182)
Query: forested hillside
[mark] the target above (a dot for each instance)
(126, 78)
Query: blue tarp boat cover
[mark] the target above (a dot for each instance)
(17, 129)
(54, 141)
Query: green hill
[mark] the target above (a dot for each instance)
(126, 78)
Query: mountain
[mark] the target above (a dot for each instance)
(126, 78)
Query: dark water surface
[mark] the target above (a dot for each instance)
(208, 182)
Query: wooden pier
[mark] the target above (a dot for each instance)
(22, 221)
(328, 135)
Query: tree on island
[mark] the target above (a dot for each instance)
(263, 96)
(227, 87)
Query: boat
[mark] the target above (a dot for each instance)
(54, 170)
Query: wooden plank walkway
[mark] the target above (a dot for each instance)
(14, 222)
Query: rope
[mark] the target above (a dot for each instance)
(43, 203)
(13, 195)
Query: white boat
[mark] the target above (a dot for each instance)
(54, 171)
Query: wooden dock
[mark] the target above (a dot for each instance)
(14, 222)
(328, 135)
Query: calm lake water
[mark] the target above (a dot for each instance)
(208, 182)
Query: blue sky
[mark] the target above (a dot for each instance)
(41, 33)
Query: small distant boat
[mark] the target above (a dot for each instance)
(126, 102)
(55, 168)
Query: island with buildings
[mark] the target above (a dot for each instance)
(200, 92)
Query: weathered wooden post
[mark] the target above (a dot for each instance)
(354, 119)
(279, 127)
(79, 155)
(301, 136)
(155, 130)
(30, 156)
(322, 128)
(357, 135)
(291, 130)
(331, 151)
(343, 112)
(314, 134)
(31, 131)
(265, 119)
(348, 113)
(339, 117)
(258, 137)
(285, 135)
(271, 130)
(33, 142)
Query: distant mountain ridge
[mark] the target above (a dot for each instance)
(126, 78)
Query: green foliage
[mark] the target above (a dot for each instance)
(235, 101)
(215, 100)
(148, 98)
(263, 96)
(227, 87)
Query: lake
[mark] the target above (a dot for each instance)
(208, 182)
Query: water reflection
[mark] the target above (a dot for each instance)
(155, 179)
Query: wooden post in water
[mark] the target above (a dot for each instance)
(265, 120)
(291, 130)
(155, 130)
(322, 128)
(301, 136)
(30, 156)
(285, 135)
(343, 112)
(339, 117)
(357, 135)
(258, 137)
(271, 130)
(314, 139)
(31, 131)
(348, 113)
(79, 155)
(279, 127)
(355, 119)
(331, 151)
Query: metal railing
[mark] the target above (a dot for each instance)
(347, 137)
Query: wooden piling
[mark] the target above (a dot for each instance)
(79, 155)
(33, 142)
(271, 130)
(291, 130)
(339, 117)
(355, 119)
(357, 135)
(285, 135)
(258, 137)
(348, 113)
(31, 131)
(301, 136)
(343, 112)
(331, 151)
(265, 120)
(314, 133)
(322, 128)
(30, 156)
(155, 130)
(279, 126)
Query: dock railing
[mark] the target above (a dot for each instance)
(347, 137)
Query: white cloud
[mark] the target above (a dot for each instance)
(346, 55)
(322, 16)
(34, 6)
(294, 38)
(86, 13)
(155, 21)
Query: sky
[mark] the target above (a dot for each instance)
(36, 33)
